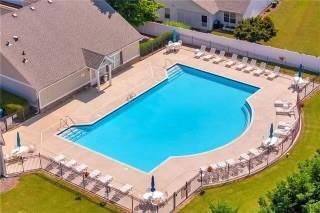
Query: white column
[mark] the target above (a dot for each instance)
(98, 79)
(110, 74)
(3, 171)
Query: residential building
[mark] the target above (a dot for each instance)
(51, 48)
(206, 14)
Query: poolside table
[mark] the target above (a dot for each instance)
(157, 195)
(20, 150)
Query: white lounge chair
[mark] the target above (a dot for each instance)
(94, 174)
(210, 55)
(244, 156)
(260, 70)
(251, 67)
(282, 103)
(220, 58)
(284, 124)
(105, 179)
(69, 163)
(80, 168)
(232, 61)
(201, 52)
(243, 64)
(231, 162)
(282, 132)
(274, 74)
(284, 111)
(126, 188)
(58, 158)
(254, 152)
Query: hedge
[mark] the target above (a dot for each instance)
(155, 44)
(13, 104)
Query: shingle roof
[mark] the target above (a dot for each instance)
(213, 6)
(53, 37)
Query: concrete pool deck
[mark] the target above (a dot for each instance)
(89, 105)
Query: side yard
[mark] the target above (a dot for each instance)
(12, 103)
(244, 194)
(39, 193)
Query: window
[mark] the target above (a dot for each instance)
(204, 20)
(167, 13)
(232, 18)
(226, 17)
(229, 17)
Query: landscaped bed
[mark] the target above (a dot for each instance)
(40, 193)
(13, 103)
(244, 194)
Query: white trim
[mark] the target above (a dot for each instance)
(19, 82)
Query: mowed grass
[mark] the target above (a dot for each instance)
(298, 22)
(38, 193)
(244, 194)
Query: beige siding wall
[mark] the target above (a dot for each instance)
(64, 87)
(130, 52)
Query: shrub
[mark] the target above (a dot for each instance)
(178, 24)
(255, 29)
(154, 44)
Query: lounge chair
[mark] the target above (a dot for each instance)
(274, 74)
(210, 55)
(232, 61)
(58, 158)
(284, 111)
(105, 179)
(80, 168)
(231, 162)
(254, 152)
(94, 174)
(220, 58)
(69, 163)
(282, 103)
(126, 188)
(282, 132)
(251, 67)
(284, 125)
(201, 52)
(243, 64)
(260, 70)
(245, 157)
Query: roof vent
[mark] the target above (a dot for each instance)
(50, 1)
(15, 38)
(8, 44)
(24, 60)
(32, 8)
(15, 15)
(23, 52)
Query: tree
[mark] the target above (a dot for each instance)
(221, 208)
(137, 12)
(255, 29)
(299, 193)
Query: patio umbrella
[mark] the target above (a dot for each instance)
(300, 71)
(271, 131)
(153, 186)
(18, 140)
(174, 36)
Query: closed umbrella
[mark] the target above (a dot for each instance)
(271, 131)
(153, 185)
(18, 140)
(174, 36)
(300, 71)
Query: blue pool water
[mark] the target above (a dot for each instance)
(191, 112)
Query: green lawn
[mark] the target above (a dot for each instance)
(37, 193)
(298, 23)
(12, 103)
(244, 194)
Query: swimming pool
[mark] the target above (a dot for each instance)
(189, 113)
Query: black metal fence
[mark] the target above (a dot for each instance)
(202, 179)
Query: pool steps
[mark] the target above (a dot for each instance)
(174, 72)
(73, 134)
